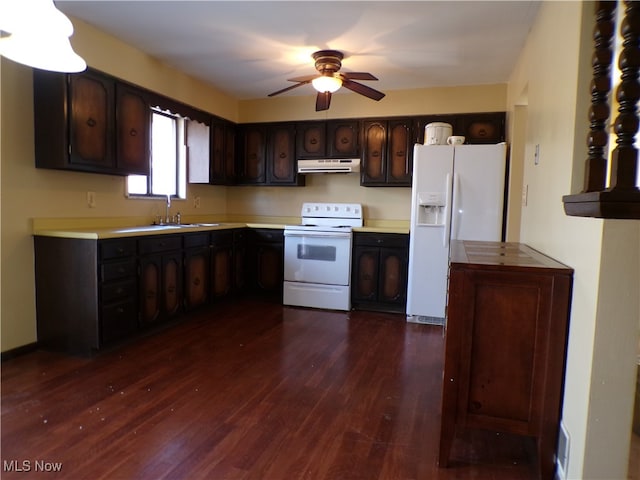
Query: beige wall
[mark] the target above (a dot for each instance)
(554, 70)
(29, 193)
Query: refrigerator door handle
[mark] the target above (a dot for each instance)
(455, 207)
(447, 212)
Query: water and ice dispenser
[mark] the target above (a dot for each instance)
(431, 209)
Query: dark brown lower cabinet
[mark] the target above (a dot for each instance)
(239, 260)
(505, 351)
(196, 270)
(379, 271)
(86, 292)
(221, 263)
(160, 279)
(266, 261)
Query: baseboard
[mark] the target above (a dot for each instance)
(19, 351)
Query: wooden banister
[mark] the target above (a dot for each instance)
(621, 198)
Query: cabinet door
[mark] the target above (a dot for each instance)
(171, 284)
(393, 276)
(374, 152)
(253, 159)
(133, 131)
(221, 271)
(230, 153)
(400, 140)
(269, 267)
(196, 278)
(482, 127)
(281, 157)
(311, 140)
(149, 288)
(218, 154)
(239, 261)
(160, 287)
(366, 274)
(91, 121)
(343, 139)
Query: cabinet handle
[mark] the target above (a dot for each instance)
(344, 140)
(120, 250)
(313, 141)
(91, 122)
(196, 281)
(133, 132)
(120, 291)
(120, 310)
(375, 154)
(283, 155)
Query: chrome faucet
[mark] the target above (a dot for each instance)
(168, 217)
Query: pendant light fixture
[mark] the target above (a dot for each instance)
(36, 33)
(326, 83)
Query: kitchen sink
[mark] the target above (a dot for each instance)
(144, 228)
(187, 225)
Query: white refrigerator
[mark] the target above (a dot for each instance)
(458, 192)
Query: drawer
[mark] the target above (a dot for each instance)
(122, 247)
(399, 240)
(115, 290)
(115, 270)
(240, 235)
(220, 238)
(268, 235)
(196, 240)
(161, 243)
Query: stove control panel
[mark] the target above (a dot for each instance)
(332, 210)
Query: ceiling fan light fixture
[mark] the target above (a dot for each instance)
(38, 36)
(327, 83)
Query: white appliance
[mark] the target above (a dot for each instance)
(458, 192)
(329, 165)
(317, 256)
(436, 133)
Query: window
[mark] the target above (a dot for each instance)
(168, 159)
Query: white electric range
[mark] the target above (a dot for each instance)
(317, 256)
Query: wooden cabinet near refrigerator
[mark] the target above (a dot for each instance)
(506, 335)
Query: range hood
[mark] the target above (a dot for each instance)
(331, 165)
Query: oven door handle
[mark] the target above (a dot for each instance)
(317, 235)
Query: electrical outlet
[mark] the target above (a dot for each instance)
(536, 155)
(525, 195)
(91, 199)
(196, 202)
(562, 454)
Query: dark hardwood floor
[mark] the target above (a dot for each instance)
(249, 390)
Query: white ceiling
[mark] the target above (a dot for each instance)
(249, 49)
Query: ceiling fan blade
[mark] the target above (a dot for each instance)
(358, 76)
(303, 78)
(323, 100)
(362, 89)
(288, 88)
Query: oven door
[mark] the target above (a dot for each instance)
(317, 257)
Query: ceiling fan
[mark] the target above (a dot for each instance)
(329, 80)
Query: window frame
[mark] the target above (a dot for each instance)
(179, 123)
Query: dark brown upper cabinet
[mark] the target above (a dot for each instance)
(281, 155)
(311, 139)
(90, 122)
(222, 145)
(343, 138)
(387, 152)
(482, 127)
(133, 139)
(253, 154)
(268, 155)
